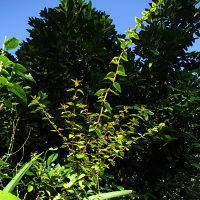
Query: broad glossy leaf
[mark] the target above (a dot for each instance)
(11, 185)
(3, 80)
(11, 43)
(7, 196)
(19, 68)
(5, 60)
(18, 90)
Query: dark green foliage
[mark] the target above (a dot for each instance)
(166, 80)
(70, 41)
(67, 42)
(76, 41)
(73, 40)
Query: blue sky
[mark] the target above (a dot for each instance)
(14, 15)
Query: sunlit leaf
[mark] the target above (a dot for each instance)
(117, 87)
(11, 43)
(108, 107)
(52, 158)
(101, 91)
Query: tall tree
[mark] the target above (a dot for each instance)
(165, 79)
(72, 40)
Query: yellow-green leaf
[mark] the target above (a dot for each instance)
(137, 20)
(117, 87)
(11, 43)
(101, 91)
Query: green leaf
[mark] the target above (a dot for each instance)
(150, 19)
(110, 75)
(98, 132)
(117, 87)
(3, 163)
(80, 155)
(122, 153)
(108, 107)
(115, 60)
(150, 65)
(52, 158)
(101, 91)
(71, 89)
(30, 188)
(145, 18)
(121, 73)
(33, 103)
(115, 93)
(5, 60)
(123, 43)
(120, 187)
(81, 91)
(11, 185)
(109, 195)
(11, 43)
(155, 52)
(8, 103)
(124, 56)
(121, 40)
(19, 68)
(136, 36)
(137, 20)
(145, 12)
(3, 71)
(130, 42)
(17, 90)
(153, 9)
(29, 77)
(196, 165)
(53, 149)
(7, 196)
(91, 128)
(153, 5)
(3, 80)
(121, 68)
